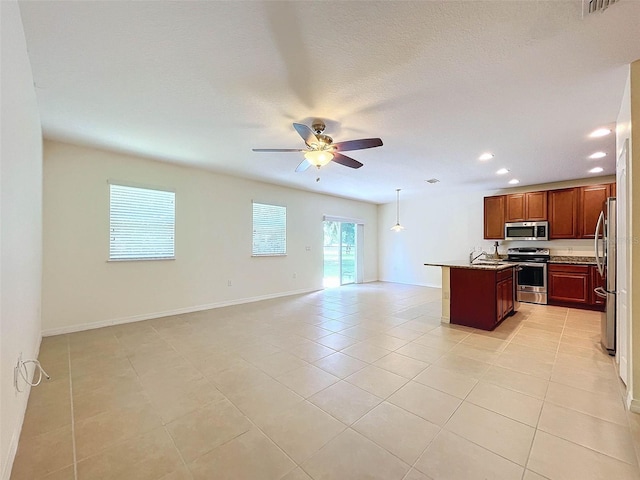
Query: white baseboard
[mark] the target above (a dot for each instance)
(167, 313)
(632, 404)
(17, 428)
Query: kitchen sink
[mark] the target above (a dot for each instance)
(487, 262)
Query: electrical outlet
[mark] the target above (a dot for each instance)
(294, 274)
(445, 295)
(570, 250)
(229, 283)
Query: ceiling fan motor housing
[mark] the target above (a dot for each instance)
(318, 126)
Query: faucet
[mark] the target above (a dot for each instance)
(473, 259)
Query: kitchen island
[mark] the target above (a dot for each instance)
(478, 295)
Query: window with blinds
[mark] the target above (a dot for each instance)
(141, 223)
(269, 230)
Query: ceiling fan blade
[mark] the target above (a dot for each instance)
(279, 149)
(346, 161)
(303, 166)
(357, 144)
(306, 133)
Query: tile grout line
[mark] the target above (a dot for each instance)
(535, 431)
(146, 395)
(340, 379)
(73, 423)
(234, 405)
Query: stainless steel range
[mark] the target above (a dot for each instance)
(532, 273)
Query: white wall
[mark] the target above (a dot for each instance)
(442, 225)
(213, 241)
(437, 228)
(20, 225)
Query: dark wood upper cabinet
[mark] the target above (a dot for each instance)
(516, 207)
(524, 207)
(563, 213)
(536, 206)
(571, 212)
(494, 210)
(592, 199)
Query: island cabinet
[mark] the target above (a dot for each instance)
(504, 295)
(494, 217)
(563, 213)
(480, 298)
(526, 207)
(572, 285)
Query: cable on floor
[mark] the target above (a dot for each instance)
(21, 369)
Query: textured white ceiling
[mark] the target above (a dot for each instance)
(202, 83)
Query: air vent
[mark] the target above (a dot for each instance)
(592, 6)
(432, 180)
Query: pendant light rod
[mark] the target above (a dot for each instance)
(397, 227)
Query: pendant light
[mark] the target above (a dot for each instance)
(397, 227)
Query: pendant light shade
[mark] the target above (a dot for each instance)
(397, 227)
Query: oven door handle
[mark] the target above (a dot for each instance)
(532, 264)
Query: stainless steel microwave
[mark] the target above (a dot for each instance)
(526, 231)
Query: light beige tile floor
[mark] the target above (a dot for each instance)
(357, 382)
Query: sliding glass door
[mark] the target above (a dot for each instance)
(340, 253)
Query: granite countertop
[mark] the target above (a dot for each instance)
(478, 265)
(573, 260)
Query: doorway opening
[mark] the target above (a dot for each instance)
(340, 253)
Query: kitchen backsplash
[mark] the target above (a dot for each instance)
(569, 248)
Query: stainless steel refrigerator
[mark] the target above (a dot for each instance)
(605, 246)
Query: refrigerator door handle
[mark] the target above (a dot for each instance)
(600, 292)
(599, 262)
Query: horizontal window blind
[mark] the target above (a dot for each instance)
(269, 230)
(141, 223)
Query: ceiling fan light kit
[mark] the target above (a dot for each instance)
(320, 147)
(318, 158)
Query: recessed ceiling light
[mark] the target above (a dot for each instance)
(502, 171)
(601, 132)
(598, 155)
(514, 181)
(486, 156)
(596, 170)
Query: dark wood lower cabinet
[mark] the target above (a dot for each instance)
(504, 298)
(480, 298)
(597, 280)
(572, 285)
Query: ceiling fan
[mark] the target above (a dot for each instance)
(321, 149)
